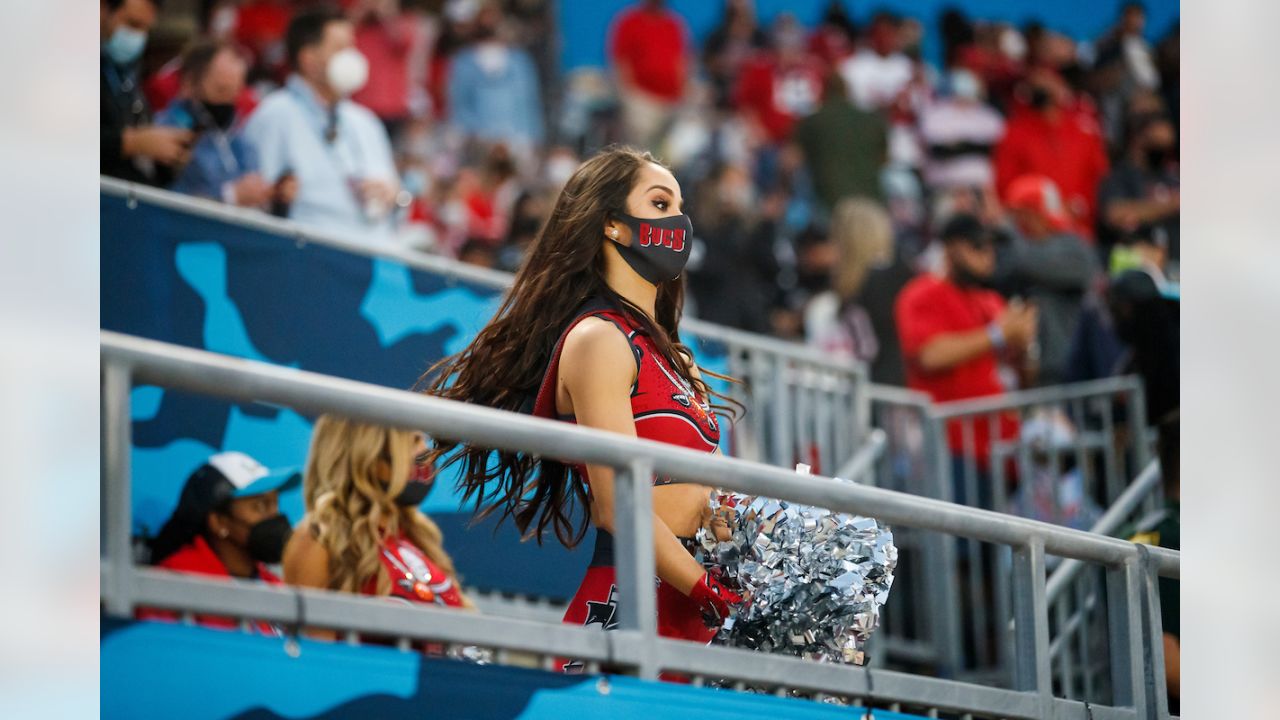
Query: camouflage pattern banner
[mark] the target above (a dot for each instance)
(166, 670)
(202, 282)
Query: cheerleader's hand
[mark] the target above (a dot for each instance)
(714, 599)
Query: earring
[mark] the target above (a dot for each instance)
(224, 533)
(614, 233)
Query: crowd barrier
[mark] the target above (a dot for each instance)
(1129, 571)
(1029, 439)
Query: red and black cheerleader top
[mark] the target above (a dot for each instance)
(664, 406)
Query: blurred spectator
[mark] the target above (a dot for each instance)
(854, 319)
(728, 47)
(734, 277)
(337, 150)
(260, 26)
(131, 147)
(954, 332)
(363, 532)
(1146, 315)
(223, 166)
(1049, 264)
(1141, 195)
(960, 132)
(493, 90)
(844, 147)
(833, 40)
(781, 85)
(875, 74)
(1047, 136)
(651, 51)
(227, 525)
(385, 36)
(1125, 45)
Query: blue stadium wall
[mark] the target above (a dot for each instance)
(203, 283)
(163, 671)
(584, 24)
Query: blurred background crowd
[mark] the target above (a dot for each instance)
(846, 190)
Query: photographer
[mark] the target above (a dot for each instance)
(223, 166)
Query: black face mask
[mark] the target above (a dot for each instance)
(268, 537)
(1040, 98)
(1157, 157)
(659, 247)
(413, 494)
(221, 115)
(964, 277)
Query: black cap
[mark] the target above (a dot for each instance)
(966, 227)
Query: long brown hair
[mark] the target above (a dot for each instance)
(504, 366)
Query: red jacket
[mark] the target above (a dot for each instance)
(197, 558)
(1069, 150)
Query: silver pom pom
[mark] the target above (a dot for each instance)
(814, 580)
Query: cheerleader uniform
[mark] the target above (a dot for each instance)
(666, 409)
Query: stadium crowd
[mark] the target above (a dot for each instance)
(822, 165)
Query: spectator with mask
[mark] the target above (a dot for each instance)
(844, 147)
(131, 147)
(363, 532)
(227, 525)
(1048, 135)
(651, 52)
(959, 132)
(223, 166)
(1049, 264)
(310, 129)
(1140, 197)
(955, 332)
(493, 90)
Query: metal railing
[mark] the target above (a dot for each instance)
(924, 458)
(1130, 570)
(805, 406)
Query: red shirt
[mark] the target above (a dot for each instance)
(779, 96)
(387, 49)
(414, 577)
(654, 44)
(1069, 150)
(930, 306)
(197, 558)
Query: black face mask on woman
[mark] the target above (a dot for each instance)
(659, 247)
(267, 539)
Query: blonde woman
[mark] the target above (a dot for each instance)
(854, 319)
(363, 532)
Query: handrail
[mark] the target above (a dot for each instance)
(1111, 520)
(1034, 396)
(248, 381)
(496, 279)
(864, 460)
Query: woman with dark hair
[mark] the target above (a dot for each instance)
(227, 525)
(589, 334)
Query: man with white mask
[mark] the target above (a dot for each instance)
(960, 131)
(132, 147)
(338, 151)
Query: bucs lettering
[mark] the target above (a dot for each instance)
(650, 235)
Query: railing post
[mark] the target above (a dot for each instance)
(940, 573)
(117, 520)
(1125, 630)
(633, 526)
(1155, 680)
(1031, 629)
